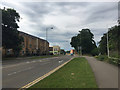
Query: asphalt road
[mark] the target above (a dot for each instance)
(106, 74)
(17, 73)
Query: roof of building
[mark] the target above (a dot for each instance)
(32, 36)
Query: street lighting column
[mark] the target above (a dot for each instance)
(46, 39)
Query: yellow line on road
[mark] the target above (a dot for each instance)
(44, 76)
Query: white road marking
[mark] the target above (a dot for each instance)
(40, 60)
(13, 65)
(33, 61)
(20, 71)
(28, 62)
(60, 61)
(45, 63)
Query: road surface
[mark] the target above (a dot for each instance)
(106, 74)
(17, 73)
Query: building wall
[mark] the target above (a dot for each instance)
(56, 50)
(32, 45)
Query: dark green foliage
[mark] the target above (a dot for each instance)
(95, 51)
(103, 44)
(10, 35)
(113, 42)
(67, 51)
(106, 59)
(85, 40)
(62, 51)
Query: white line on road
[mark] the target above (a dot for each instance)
(60, 61)
(20, 71)
(33, 61)
(45, 63)
(27, 62)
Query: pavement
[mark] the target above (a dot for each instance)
(17, 73)
(106, 74)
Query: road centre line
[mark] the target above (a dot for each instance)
(25, 69)
(27, 62)
(20, 71)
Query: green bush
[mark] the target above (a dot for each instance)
(102, 58)
(95, 52)
(113, 61)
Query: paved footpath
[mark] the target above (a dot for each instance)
(106, 74)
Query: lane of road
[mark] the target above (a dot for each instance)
(18, 74)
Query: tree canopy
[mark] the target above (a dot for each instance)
(84, 40)
(10, 34)
(113, 41)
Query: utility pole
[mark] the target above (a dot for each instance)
(108, 44)
(46, 40)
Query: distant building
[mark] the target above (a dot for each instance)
(31, 46)
(51, 50)
(54, 50)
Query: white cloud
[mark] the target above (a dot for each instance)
(67, 18)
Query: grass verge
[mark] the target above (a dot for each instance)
(108, 60)
(76, 74)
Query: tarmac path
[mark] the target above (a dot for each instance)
(106, 74)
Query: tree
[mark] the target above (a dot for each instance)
(10, 34)
(62, 51)
(103, 44)
(85, 40)
(113, 41)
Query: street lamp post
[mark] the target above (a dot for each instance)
(46, 39)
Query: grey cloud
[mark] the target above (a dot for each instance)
(90, 12)
(107, 11)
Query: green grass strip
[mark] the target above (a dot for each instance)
(76, 74)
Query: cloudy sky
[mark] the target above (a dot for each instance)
(67, 18)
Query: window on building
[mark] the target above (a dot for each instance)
(55, 49)
(30, 40)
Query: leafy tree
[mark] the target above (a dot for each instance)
(62, 51)
(74, 42)
(103, 44)
(85, 40)
(10, 34)
(113, 41)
